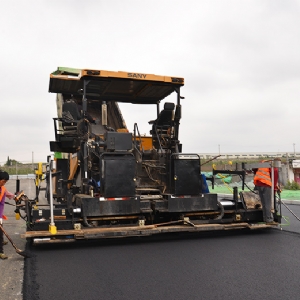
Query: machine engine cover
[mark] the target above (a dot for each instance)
(118, 174)
(118, 141)
(186, 177)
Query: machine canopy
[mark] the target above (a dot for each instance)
(136, 88)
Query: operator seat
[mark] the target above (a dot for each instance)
(161, 127)
(70, 111)
(70, 117)
(165, 117)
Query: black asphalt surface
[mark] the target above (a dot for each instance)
(224, 265)
(228, 265)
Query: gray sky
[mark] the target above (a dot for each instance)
(240, 60)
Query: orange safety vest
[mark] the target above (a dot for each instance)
(263, 175)
(3, 190)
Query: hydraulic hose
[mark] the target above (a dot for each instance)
(85, 222)
(222, 211)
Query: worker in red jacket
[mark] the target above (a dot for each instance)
(263, 184)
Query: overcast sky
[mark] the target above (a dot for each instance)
(240, 61)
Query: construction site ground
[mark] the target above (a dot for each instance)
(118, 270)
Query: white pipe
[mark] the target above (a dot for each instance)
(50, 191)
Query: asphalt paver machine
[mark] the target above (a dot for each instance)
(104, 180)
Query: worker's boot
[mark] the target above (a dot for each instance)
(4, 242)
(3, 256)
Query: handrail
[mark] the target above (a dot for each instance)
(136, 129)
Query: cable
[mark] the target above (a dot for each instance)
(287, 220)
(223, 180)
(289, 210)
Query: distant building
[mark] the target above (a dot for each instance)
(289, 171)
(295, 176)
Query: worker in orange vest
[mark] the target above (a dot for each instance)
(263, 184)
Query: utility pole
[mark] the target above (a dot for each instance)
(287, 167)
(294, 150)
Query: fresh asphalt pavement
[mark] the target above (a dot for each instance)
(227, 265)
(231, 265)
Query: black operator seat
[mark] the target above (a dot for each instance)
(70, 111)
(161, 127)
(165, 117)
(70, 118)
